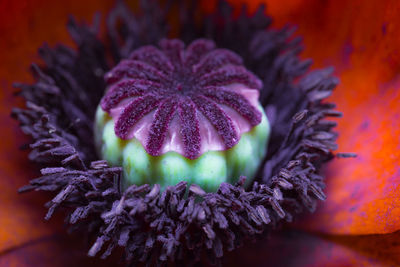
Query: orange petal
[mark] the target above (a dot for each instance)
(361, 40)
(24, 26)
(363, 193)
(291, 248)
(21, 216)
(57, 250)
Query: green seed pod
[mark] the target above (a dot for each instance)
(172, 114)
(209, 170)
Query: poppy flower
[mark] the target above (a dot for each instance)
(359, 217)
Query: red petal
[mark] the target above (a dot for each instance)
(24, 26)
(363, 193)
(361, 40)
(21, 216)
(299, 249)
(57, 250)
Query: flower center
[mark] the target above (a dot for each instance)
(183, 84)
(189, 100)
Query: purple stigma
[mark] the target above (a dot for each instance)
(168, 94)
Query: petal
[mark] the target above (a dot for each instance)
(24, 28)
(361, 41)
(21, 216)
(363, 193)
(57, 250)
(291, 248)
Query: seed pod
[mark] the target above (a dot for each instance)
(172, 114)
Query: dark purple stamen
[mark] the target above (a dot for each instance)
(192, 80)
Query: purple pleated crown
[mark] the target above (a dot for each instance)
(185, 100)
